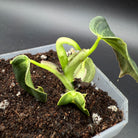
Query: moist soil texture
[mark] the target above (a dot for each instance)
(25, 117)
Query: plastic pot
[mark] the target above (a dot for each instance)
(101, 82)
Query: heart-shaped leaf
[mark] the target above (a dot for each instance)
(100, 28)
(76, 98)
(21, 68)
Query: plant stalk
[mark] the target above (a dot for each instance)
(92, 49)
(59, 75)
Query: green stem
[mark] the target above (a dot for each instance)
(79, 58)
(74, 63)
(94, 46)
(59, 75)
(61, 51)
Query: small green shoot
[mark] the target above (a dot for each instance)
(77, 65)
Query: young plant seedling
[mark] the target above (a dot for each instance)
(76, 65)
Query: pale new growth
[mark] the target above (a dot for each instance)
(113, 108)
(85, 72)
(4, 104)
(96, 118)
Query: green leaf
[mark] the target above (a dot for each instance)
(76, 98)
(85, 71)
(100, 28)
(62, 56)
(21, 68)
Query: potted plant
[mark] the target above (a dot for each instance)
(75, 71)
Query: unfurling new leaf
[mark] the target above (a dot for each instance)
(85, 71)
(100, 28)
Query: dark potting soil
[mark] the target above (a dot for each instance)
(26, 117)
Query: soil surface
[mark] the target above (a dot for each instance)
(25, 117)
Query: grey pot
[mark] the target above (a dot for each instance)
(101, 82)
